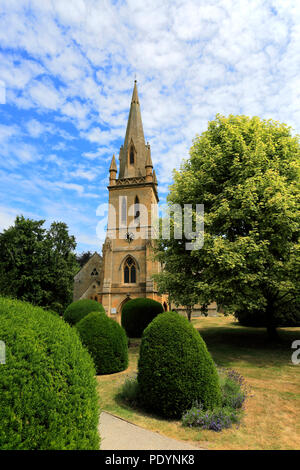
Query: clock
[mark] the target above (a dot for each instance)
(129, 237)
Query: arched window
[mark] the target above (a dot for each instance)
(136, 208)
(129, 271)
(131, 156)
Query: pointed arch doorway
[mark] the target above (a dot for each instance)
(120, 308)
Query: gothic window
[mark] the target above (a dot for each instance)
(136, 208)
(124, 211)
(129, 271)
(94, 272)
(131, 157)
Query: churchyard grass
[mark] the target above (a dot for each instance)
(271, 416)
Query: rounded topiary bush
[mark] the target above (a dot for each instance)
(80, 308)
(137, 314)
(106, 341)
(47, 385)
(175, 368)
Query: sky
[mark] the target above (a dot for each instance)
(67, 69)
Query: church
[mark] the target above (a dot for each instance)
(127, 264)
(125, 270)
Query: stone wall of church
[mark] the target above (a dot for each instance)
(87, 280)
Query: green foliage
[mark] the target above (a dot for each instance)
(37, 265)
(80, 308)
(215, 420)
(53, 312)
(47, 386)
(256, 318)
(175, 368)
(83, 258)
(246, 173)
(129, 391)
(137, 314)
(234, 393)
(106, 341)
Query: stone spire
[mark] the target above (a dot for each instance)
(113, 165)
(134, 152)
(149, 165)
(154, 177)
(113, 171)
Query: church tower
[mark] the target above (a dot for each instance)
(127, 251)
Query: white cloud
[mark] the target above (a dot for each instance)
(70, 186)
(84, 174)
(97, 154)
(35, 128)
(77, 60)
(7, 217)
(45, 95)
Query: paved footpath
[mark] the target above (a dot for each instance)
(118, 434)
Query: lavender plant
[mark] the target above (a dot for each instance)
(234, 393)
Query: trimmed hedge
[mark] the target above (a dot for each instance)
(175, 368)
(137, 314)
(106, 341)
(77, 310)
(47, 386)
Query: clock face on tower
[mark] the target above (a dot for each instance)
(129, 237)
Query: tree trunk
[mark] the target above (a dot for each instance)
(189, 312)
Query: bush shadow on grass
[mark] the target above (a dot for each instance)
(235, 342)
(139, 410)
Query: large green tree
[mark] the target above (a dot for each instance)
(36, 264)
(246, 173)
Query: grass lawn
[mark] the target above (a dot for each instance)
(271, 418)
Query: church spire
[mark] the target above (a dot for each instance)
(134, 151)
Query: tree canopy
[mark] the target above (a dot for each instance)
(246, 173)
(38, 265)
(83, 258)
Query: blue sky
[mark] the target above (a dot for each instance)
(66, 76)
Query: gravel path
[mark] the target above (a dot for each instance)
(118, 434)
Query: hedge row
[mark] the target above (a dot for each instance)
(47, 386)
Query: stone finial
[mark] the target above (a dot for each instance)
(149, 160)
(113, 171)
(113, 165)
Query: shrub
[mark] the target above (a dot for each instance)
(233, 387)
(79, 309)
(137, 314)
(234, 393)
(106, 341)
(47, 386)
(129, 391)
(175, 368)
(56, 314)
(216, 419)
